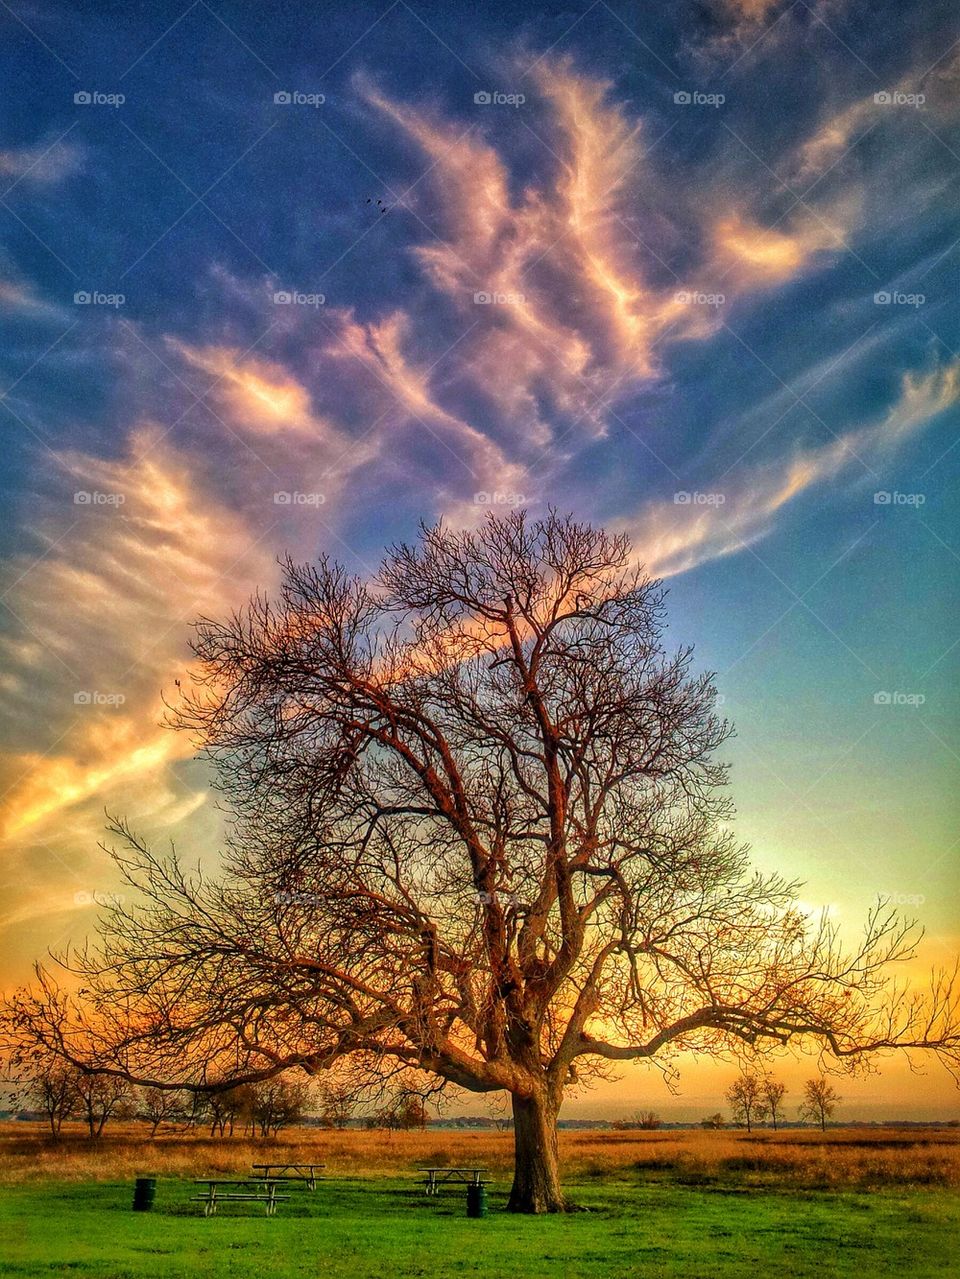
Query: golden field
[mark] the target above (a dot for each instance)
(839, 1158)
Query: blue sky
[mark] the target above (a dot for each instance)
(691, 272)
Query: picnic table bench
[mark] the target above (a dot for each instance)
(256, 1189)
(435, 1177)
(307, 1173)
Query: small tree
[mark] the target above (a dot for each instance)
(54, 1093)
(336, 1105)
(820, 1100)
(221, 1108)
(746, 1100)
(773, 1091)
(277, 1103)
(404, 1111)
(647, 1119)
(99, 1098)
(160, 1105)
(712, 1121)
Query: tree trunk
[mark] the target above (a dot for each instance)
(536, 1174)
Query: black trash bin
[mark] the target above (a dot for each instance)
(476, 1200)
(144, 1193)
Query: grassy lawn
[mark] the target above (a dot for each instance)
(355, 1229)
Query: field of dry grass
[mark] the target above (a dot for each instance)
(840, 1158)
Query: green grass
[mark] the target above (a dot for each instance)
(387, 1230)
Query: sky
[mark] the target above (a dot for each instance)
(285, 278)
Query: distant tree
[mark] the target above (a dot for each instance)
(405, 1111)
(337, 1103)
(712, 1121)
(746, 1100)
(773, 1091)
(160, 1105)
(101, 1097)
(277, 1103)
(820, 1100)
(221, 1108)
(55, 1094)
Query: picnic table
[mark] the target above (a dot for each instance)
(306, 1173)
(257, 1189)
(437, 1176)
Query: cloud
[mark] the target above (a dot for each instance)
(43, 165)
(749, 255)
(736, 512)
(553, 278)
(256, 394)
(840, 130)
(131, 552)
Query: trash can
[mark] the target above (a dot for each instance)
(476, 1200)
(144, 1193)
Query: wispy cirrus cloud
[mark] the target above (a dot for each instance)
(739, 509)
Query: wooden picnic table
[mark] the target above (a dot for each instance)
(306, 1173)
(437, 1176)
(265, 1192)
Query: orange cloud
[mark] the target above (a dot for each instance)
(751, 255)
(132, 554)
(255, 393)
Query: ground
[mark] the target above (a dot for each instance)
(665, 1205)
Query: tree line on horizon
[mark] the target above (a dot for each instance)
(58, 1092)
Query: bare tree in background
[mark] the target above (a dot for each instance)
(53, 1091)
(820, 1100)
(481, 832)
(746, 1099)
(277, 1103)
(159, 1106)
(102, 1096)
(337, 1104)
(773, 1092)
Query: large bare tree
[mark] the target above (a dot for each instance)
(481, 832)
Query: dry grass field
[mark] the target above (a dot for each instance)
(839, 1158)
